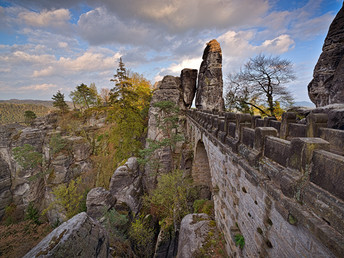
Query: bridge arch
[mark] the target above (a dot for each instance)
(201, 171)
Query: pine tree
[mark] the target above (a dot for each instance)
(84, 96)
(29, 116)
(59, 101)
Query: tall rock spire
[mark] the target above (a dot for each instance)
(327, 86)
(210, 83)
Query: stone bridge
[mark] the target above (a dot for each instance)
(278, 184)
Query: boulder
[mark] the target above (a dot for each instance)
(126, 185)
(194, 229)
(81, 236)
(210, 83)
(188, 78)
(99, 201)
(327, 85)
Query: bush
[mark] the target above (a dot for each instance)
(117, 224)
(204, 206)
(32, 214)
(57, 144)
(68, 198)
(169, 201)
(239, 240)
(143, 236)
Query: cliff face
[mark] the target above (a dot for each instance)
(19, 186)
(327, 86)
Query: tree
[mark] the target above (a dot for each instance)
(105, 95)
(27, 157)
(29, 116)
(59, 101)
(261, 81)
(84, 96)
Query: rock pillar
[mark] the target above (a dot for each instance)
(210, 83)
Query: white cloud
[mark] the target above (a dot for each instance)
(89, 61)
(38, 87)
(63, 44)
(176, 68)
(54, 18)
(98, 26)
(178, 16)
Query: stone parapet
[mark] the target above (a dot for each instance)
(281, 158)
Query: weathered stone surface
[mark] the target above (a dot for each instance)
(126, 184)
(327, 86)
(81, 236)
(327, 172)
(194, 229)
(166, 245)
(210, 83)
(169, 89)
(188, 79)
(5, 186)
(98, 202)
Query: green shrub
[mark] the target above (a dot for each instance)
(204, 206)
(143, 236)
(68, 198)
(57, 144)
(32, 213)
(27, 157)
(116, 224)
(239, 240)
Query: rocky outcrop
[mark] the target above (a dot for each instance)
(126, 185)
(210, 83)
(5, 186)
(194, 229)
(327, 86)
(81, 236)
(188, 79)
(23, 185)
(98, 202)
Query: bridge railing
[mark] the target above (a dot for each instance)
(311, 149)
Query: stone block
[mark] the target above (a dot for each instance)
(297, 130)
(301, 152)
(277, 150)
(335, 138)
(314, 122)
(248, 137)
(327, 172)
(287, 118)
(260, 134)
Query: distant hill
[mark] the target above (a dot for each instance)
(46, 103)
(304, 104)
(13, 112)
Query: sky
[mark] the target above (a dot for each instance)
(46, 46)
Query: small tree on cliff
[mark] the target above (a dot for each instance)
(84, 96)
(29, 116)
(59, 101)
(261, 81)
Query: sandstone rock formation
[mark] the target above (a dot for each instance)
(126, 185)
(210, 83)
(98, 202)
(327, 86)
(21, 186)
(81, 236)
(194, 229)
(188, 79)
